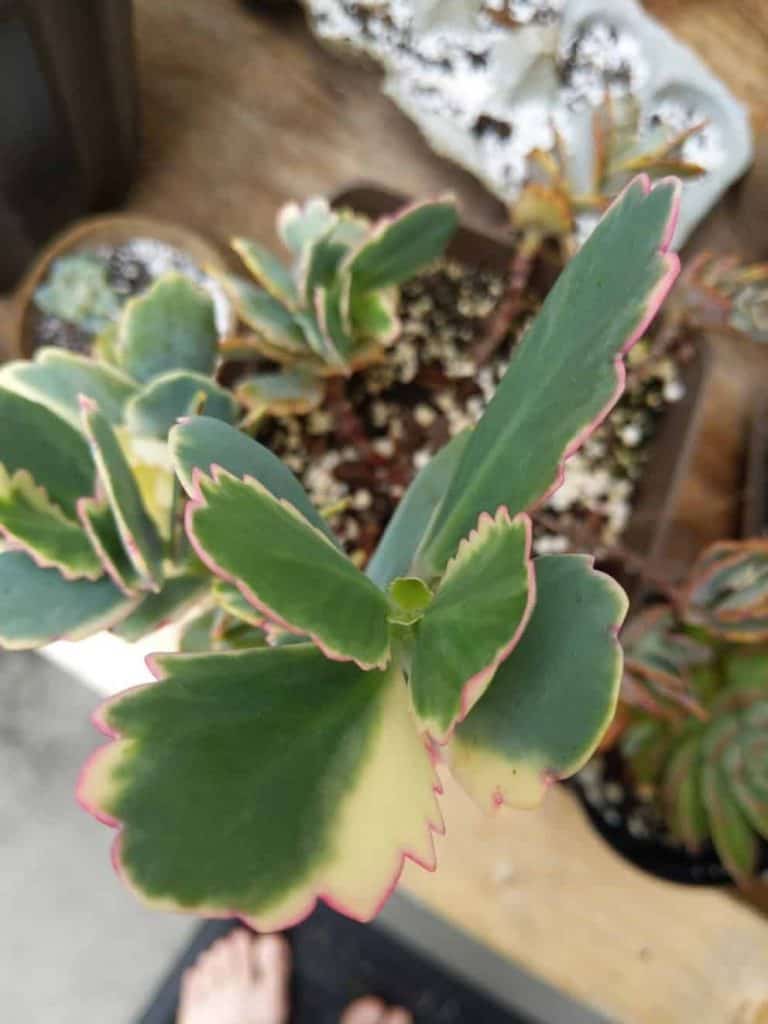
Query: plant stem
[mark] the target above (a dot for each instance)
(510, 304)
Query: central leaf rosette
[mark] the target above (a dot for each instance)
(257, 781)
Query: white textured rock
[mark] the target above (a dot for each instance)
(485, 94)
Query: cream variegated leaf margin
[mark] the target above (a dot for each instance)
(552, 699)
(478, 614)
(291, 777)
(30, 520)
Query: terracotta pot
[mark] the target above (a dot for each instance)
(86, 234)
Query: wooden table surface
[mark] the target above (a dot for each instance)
(243, 111)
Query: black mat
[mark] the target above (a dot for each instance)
(337, 960)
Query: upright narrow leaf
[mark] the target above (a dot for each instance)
(476, 618)
(400, 540)
(257, 782)
(287, 568)
(553, 697)
(567, 373)
(137, 531)
(38, 606)
(99, 524)
(201, 443)
(171, 326)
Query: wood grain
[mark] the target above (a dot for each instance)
(244, 110)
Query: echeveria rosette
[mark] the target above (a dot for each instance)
(504, 667)
(87, 489)
(714, 781)
(697, 706)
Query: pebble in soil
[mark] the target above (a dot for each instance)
(358, 453)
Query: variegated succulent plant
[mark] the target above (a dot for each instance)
(696, 680)
(258, 780)
(335, 309)
(89, 504)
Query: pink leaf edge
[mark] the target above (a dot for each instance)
(672, 263)
(109, 567)
(14, 543)
(99, 719)
(549, 777)
(197, 501)
(475, 687)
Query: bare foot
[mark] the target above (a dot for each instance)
(241, 979)
(373, 1011)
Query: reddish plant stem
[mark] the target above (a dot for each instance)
(512, 301)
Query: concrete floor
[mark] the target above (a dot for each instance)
(76, 947)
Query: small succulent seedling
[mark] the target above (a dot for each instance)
(550, 205)
(255, 781)
(77, 290)
(335, 309)
(88, 499)
(724, 292)
(697, 685)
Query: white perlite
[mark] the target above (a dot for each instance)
(487, 82)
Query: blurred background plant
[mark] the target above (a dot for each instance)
(694, 727)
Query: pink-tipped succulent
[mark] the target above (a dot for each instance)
(88, 499)
(335, 309)
(257, 781)
(696, 684)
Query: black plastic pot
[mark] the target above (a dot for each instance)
(669, 862)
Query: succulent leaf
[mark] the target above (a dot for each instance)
(728, 593)
(56, 456)
(567, 373)
(56, 379)
(100, 527)
(301, 225)
(276, 325)
(476, 618)
(551, 700)
(402, 245)
(137, 531)
(282, 393)
(171, 326)
(30, 520)
(199, 764)
(247, 536)
(177, 595)
(38, 606)
(401, 539)
(270, 273)
(153, 411)
(201, 443)
(682, 795)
